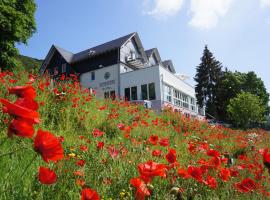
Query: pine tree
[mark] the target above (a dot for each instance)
(208, 76)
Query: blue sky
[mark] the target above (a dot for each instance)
(236, 31)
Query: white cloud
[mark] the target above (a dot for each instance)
(164, 8)
(265, 3)
(207, 13)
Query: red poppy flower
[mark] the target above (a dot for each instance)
(121, 126)
(27, 103)
(78, 173)
(97, 133)
(18, 111)
(215, 162)
(225, 174)
(100, 145)
(246, 185)
(80, 163)
(183, 173)
(164, 142)
(171, 156)
(21, 128)
(141, 188)
(213, 153)
(89, 194)
(48, 146)
(113, 151)
(151, 169)
(195, 172)
(80, 182)
(84, 148)
(266, 158)
(46, 176)
(153, 139)
(211, 182)
(23, 91)
(156, 153)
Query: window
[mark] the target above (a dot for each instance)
(109, 94)
(92, 76)
(64, 68)
(185, 101)
(144, 92)
(106, 95)
(167, 93)
(112, 94)
(192, 104)
(134, 93)
(152, 92)
(127, 94)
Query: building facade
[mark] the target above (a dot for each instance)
(122, 68)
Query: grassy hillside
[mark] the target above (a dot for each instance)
(29, 63)
(109, 146)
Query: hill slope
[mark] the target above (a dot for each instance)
(29, 63)
(119, 150)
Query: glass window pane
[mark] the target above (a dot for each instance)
(134, 93)
(127, 94)
(106, 95)
(144, 92)
(152, 92)
(92, 76)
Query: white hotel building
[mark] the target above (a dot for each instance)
(123, 68)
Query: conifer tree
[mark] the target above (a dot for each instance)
(208, 76)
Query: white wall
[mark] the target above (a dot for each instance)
(100, 84)
(177, 83)
(124, 68)
(140, 77)
(173, 81)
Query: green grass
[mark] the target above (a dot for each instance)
(75, 120)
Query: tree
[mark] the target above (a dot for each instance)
(246, 109)
(233, 83)
(17, 24)
(208, 76)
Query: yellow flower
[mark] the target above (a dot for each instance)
(72, 155)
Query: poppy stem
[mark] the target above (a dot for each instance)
(29, 164)
(4, 141)
(9, 153)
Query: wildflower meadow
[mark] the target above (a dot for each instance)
(61, 142)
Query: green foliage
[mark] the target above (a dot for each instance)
(246, 109)
(233, 83)
(29, 63)
(208, 77)
(17, 24)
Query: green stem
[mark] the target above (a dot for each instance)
(29, 164)
(12, 152)
(3, 142)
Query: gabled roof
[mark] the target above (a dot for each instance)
(108, 46)
(154, 51)
(95, 51)
(169, 65)
(65, 54)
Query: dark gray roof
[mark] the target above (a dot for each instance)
(169, 65)
(68, 56)
(114, 44)
(149, 52)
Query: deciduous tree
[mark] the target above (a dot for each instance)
(17, 24)
(246, 109)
